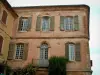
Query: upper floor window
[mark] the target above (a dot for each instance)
(69, 23)
(4, 17)
(72, 51)
(1, 41)
(45, 23)
(18, 51)
(24, 23)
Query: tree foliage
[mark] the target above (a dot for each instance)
(57, 65)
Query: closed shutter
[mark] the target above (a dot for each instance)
(52, 23)
(61, 23)
(11, 51)
(25, 52)
(29, 23)
(76, 23)
(4, 17)
(38, 24)
(67, 50)
(77, 52)
(20, 24)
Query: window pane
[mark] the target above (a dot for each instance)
(44, 51)
(68, 23)
(24, 24)
(71, 52)
(45, 23)
(19, 51)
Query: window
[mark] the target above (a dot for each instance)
(18, 51)
(4, 17)
(71, 48)
(72, 51)
(69, 23)
(24, 23)
(44, 51)
(1, 41)
(45, 23)
(43, 61)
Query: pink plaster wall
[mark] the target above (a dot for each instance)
(57, 45)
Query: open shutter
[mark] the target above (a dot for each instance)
(76, 23)
(52, 23)
(29, 23)
(25, 52)
(66, 51)
(77, 52)
(11, 51)
(38, 23)
(20, 23)
(61, 23)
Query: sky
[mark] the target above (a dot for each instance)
(94, 23)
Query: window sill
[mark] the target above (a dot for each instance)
(22, 31)
(18, 60)
(69, 30)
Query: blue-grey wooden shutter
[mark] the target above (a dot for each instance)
(29, 23)
(52, 23)
(20, 23)
(25, 52)
(77, 52)
(61, 23)
(76, 22)
(11, 51)
(38, 23)
(67, 50)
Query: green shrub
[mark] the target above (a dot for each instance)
(8, 69)
(29, 70)
(57, 65)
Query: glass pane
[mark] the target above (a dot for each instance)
(45, 24)
(71, 52)
(44, 51)
(19, 51)
(68, 23)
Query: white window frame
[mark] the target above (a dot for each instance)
(24, 23)
(44, 51)
(46, 29)
(71, 48)
(70, 25)
(19, 51)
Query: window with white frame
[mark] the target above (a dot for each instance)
(71, 48)
(45, 23)
(24, 23)
(44, 51)
(73, 51)
(69, 23)
(19, 51)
